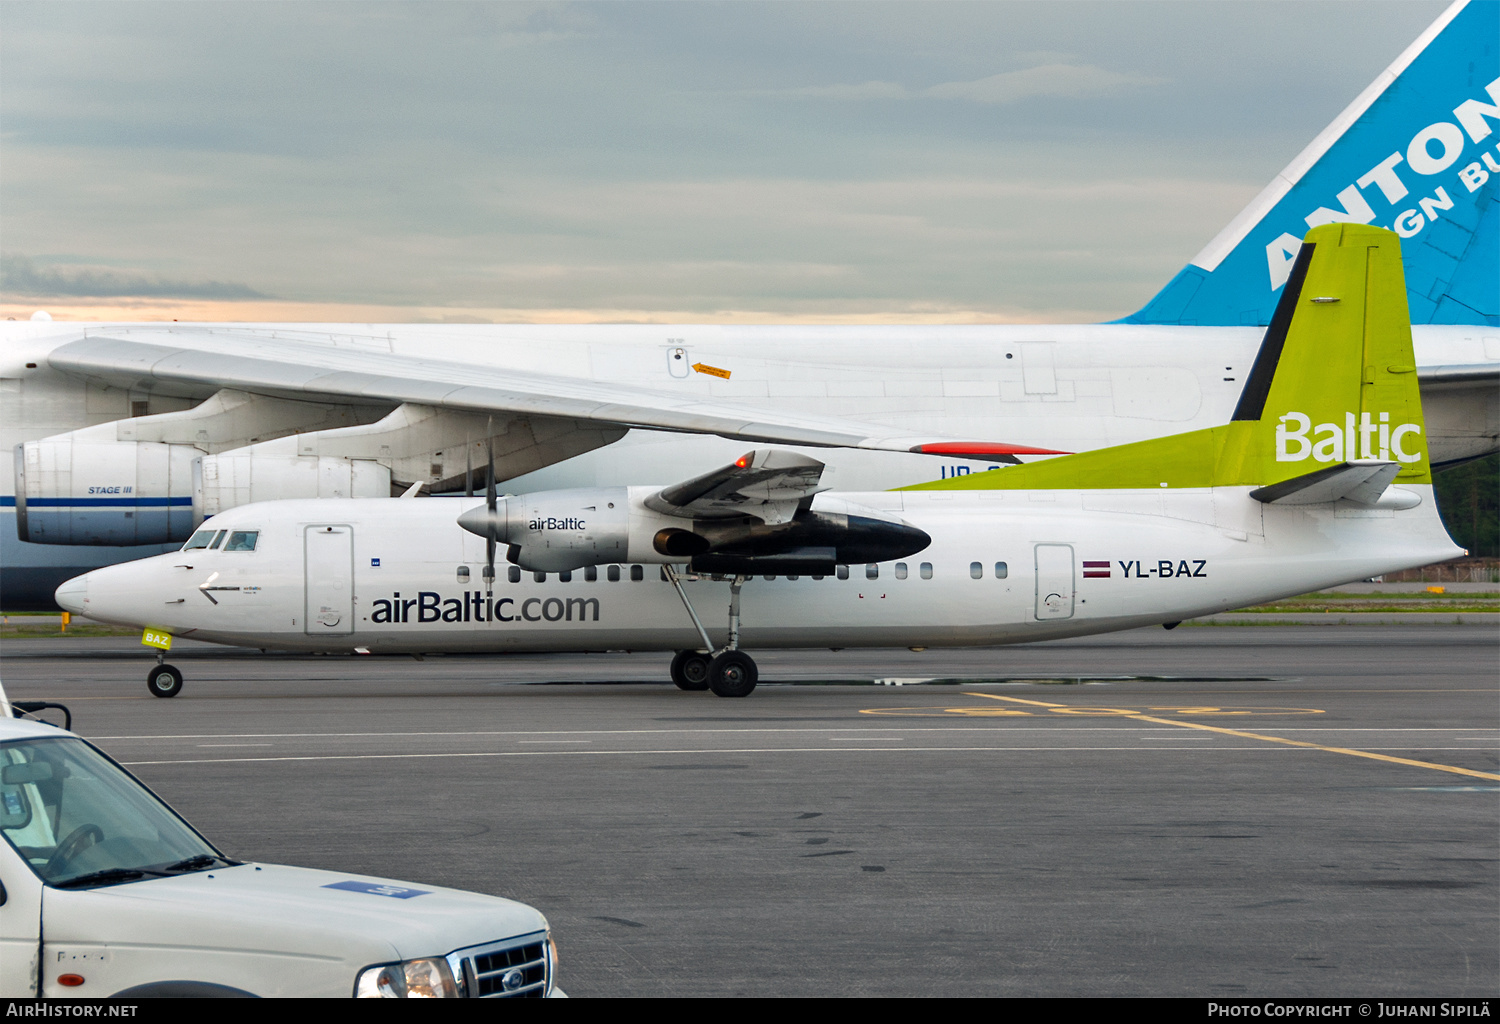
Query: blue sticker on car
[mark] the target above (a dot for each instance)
(376, 889)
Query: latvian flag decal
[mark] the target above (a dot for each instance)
(1096, 570)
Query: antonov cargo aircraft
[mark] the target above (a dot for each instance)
(131, 434)
(1321, 475)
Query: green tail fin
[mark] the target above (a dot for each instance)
(1334, 382)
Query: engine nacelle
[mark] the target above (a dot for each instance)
(557, 531)
(71, 491)
(554, 531)
(244, 475)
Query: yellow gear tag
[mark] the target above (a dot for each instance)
(152, 638)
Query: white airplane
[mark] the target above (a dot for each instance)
(1322, 475)
(129, 435)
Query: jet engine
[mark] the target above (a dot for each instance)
(72, 491)
(246, 474)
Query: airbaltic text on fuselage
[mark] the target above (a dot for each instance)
(1364, 438)
(477, 606)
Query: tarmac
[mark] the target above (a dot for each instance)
(1277, 811)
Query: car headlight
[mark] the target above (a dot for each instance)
(426, 978)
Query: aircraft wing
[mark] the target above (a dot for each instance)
(297, 368)
(767, 483)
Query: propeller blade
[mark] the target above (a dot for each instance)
(489, 474)
(469, 468)
(491, 502)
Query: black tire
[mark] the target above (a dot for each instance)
(690, 670)
(732, 674)
(164, 681)
(183, 990)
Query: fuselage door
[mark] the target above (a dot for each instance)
(329, 580)
(1054, 581)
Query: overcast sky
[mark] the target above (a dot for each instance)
(649, 161)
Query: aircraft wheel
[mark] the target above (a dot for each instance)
(690, 670)
(732, 674)
(164, 681)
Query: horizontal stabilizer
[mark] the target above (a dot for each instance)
(1363, 482)
(766, 483)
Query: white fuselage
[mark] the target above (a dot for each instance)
(398, 576)
(1071, 388)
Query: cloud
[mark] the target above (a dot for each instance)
(19, 275)
(863, 91)
(1059, 81)
(1054, 81)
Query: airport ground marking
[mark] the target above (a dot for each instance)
(697, 752)
(1268, 739)
(1198, 710)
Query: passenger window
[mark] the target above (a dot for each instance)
(565, 576)
(637, 573)
(900, 570)
(613, 572)
(819, 577)
(926, 570)
(463, 575)
(976, 570)
(872, 571)
(768, 579)
(539, 577)
(591, 574)
(201, 539)
(242, 540)
(218, 539)
(514, 574)
(794, 577)
(843, 572)
(1001, 570)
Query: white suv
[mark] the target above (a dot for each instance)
(108, 892)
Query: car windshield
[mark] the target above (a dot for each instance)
(77, 818)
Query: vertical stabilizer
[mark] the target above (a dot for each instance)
(1416, 152)
(1335, 379)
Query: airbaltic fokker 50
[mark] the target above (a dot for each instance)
(184, 421)
(1320, 477)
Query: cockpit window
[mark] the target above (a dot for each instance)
(218, 539)
(242, 540)
(199, 540)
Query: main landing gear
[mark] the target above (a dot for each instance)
(727, 671)
(690, 670)
(164, 680)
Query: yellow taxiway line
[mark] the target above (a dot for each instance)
(1257, 736)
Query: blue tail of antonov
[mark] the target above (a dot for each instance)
(1416, 152)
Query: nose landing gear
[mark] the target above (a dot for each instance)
(164, 680)
(727, 671)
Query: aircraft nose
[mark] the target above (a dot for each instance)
(73, 595)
